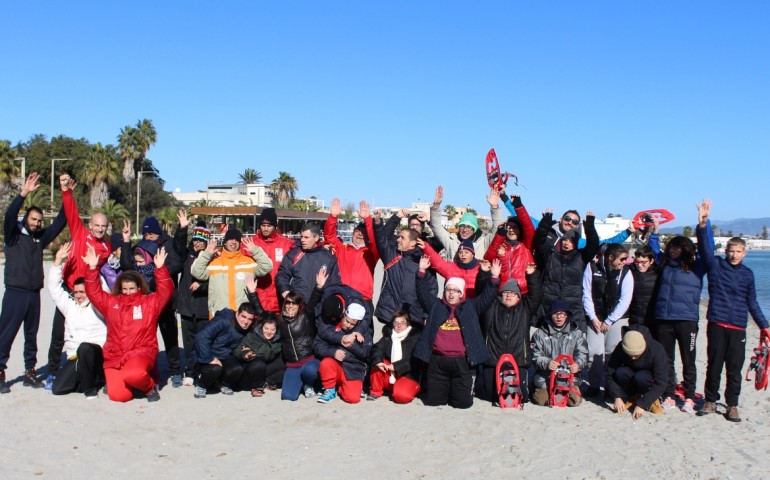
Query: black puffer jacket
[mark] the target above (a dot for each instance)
(563, 272)
(297, 335)
(506, 329)
(653, 359)
(408, 365)
(189, 303)
(642, 308)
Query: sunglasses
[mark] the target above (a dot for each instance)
(573, 221)
(289, 302)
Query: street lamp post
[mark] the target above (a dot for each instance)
(53, 175)
(139, 196)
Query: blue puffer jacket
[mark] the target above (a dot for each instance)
(219, 337)
(679, 291)
(732, 294)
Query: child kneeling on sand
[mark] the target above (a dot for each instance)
(559, 335)
(637, 373)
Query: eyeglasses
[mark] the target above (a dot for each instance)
(642, 260)
(290, 302)
(572, 220)
(400, 324)
(415, 225)
(466, 226)
(511, 226)
(559, 314)
(622, 259)
(452, 290)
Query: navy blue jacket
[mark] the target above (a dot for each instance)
(219, 337)
(732, 294)
(24, 252)
(356, 356)
(299, 268)
(467, 314)
(678, 296)
(398, 282)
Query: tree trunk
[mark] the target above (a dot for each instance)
(128, 170)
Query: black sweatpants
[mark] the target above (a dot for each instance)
(259, 374)
(57, 342)
(449, 380)
(726, 346)
(232, 373)
(191, 325)
(684, 332)
(633, 381)
(82, 374)
(490, 383)
(19, 306)
(170, 335)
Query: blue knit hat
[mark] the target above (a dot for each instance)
(151, 225)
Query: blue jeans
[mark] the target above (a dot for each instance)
(294, 378)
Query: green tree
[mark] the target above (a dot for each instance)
(101, 170)
(687, 231)
(730, 233)
(472, 210)
(250, 176)
(9, 168)
(147, 136)
(168, 218)
(128, 146)
(764, 232)
(450, 210)
(284, 188)
(115, 212)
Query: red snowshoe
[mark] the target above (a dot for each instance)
(761, 366)
(509, 390)
(562, 382)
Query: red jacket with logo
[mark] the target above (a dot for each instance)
(276, 246)
(356, 264)
(75, 267)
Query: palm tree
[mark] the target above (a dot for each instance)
(168, 218)
(129, 150)
(250, 176)
(147, 136)
(8, 168)
(451, 211)
(115, 211)
(101, 170)
(37, 198)
(285, 188)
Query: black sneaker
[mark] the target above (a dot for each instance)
(153, 395)
(4, 388)
(92, 393)
(31, 380)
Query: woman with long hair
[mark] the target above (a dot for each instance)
(131, 313)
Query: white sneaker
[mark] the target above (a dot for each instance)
(308, 391)
(669, 403)
(688, 406)
(187, 382)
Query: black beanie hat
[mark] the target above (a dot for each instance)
(233, 234)
(268, 215)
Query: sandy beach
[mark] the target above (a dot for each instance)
(226, 437)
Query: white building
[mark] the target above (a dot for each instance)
(230, 195)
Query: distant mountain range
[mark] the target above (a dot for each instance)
(745, 226)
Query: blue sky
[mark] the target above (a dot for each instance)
(609, 106)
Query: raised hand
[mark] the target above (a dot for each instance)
(91, 258)
(531, 267)
(247, 242)
(160, 257)
(251, 283)
(126, 230)
(363, 209)
(404, 213)
(703, 211)
(335, 210)
(181, 214)
(423, 217)
(424, 263)
(62, 253)
(321, 277)
(590, 213)
(420, 243)
(439, 196)
(66, 182)
(31, 184)
(496, 268)
(485, 265)
(493, 198)
(211, 247)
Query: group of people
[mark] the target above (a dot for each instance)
(265, 313)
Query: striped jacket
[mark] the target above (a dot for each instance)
(226, 275)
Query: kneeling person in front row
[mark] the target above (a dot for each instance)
(344, 349)
(637, 373)
(84, 334)
(559, 335)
